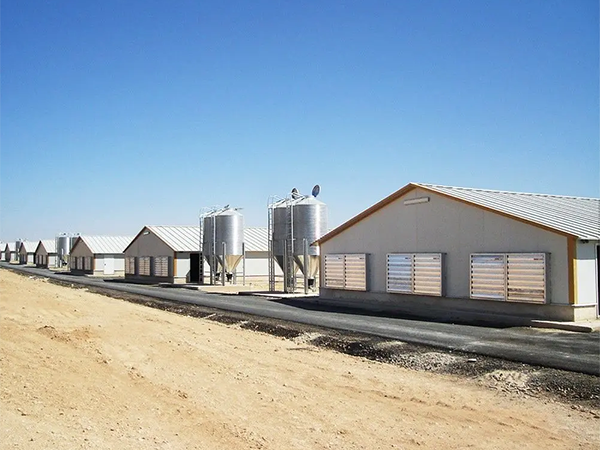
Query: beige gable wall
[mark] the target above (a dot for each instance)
(148, 245)
(452, 227)
(81, 249)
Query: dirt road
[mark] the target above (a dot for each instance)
(80, 370)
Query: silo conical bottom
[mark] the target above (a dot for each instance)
(311, 267)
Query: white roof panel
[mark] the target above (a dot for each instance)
(577, 216)
(106, 244)
(29, 246)
(256, 239)
(179, 238)
(186, 238)
(49, 245)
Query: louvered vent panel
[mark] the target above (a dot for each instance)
(427, 273)
(356, 272)
(334, 271)
(130, 265)
(161, 266)
(526, 277)
(144, 265)
(415, 273)
(399, 273)
(488, 274)
(346, 271)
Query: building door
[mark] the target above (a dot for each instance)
(194, 267)
(109, 265)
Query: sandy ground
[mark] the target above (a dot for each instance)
(80, 370)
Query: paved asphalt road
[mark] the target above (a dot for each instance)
(577, 352)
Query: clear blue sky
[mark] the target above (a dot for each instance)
(117, 114)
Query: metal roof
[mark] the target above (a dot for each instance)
(572, 216)
(256, 239)
(186, 238)
(577, 216)
(105, 244)
(11, 246)
(49, 245)
(179, 238)
(29, 246)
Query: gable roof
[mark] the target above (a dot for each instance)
(105, 244)
(48, 244)
(186, 238)
(29, 246)
(577, 217)
(11, 246)
(179, 238)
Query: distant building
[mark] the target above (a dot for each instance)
(440, 251)
(170, 254)
(10, 253)
(45, 253)
(27, 252)
(99, 255)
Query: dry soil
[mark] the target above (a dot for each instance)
(81, 370)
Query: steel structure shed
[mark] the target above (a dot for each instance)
(445, 251)
(99, 255)
(9, 252)
(171, 254)
(27, 252)
(45, 253)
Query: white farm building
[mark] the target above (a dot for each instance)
(99, 255)
(10, 253)
(166, 254)
(45, 253)
(170, 254)
(27, 252)
(449, 252)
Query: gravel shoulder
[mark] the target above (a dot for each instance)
(84, 370)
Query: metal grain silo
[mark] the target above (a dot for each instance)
(280, 231)
(295, 222)
(16, 256)
(62, 249)
(309, 224)
(208, 239)
(229, 239)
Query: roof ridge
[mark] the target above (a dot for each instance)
(498, 191)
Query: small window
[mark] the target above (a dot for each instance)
(346, 271)
(87, 262)
(415, 273)
(512, 277)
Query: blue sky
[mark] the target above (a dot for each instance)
(119, 114)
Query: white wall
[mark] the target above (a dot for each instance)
(586, 273)
(451, 227)
(257, 265)
(118, 263)
(183, 265)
